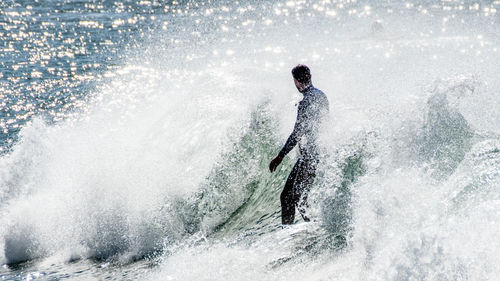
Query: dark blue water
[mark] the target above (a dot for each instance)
(53, 53)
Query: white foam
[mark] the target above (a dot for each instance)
(99, 184)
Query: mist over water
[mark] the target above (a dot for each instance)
(143, 148)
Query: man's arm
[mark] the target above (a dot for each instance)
(293, 139)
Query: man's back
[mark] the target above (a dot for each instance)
(313, 110)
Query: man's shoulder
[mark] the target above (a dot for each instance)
(319, 95)
(318, 91)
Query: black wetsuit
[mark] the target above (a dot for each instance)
(312, 111)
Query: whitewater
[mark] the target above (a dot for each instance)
(135, 139)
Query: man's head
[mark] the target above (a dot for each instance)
(302, 76)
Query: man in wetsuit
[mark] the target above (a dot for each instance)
(313, 109)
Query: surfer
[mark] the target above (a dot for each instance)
(312, 109)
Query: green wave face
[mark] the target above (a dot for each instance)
(241, 197)
(240, 193)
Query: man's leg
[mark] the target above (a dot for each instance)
(305, 179)
(288, 200)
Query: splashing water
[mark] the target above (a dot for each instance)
(136, 138)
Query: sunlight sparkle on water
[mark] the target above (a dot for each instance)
(138, 63)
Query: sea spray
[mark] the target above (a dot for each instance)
(105, 155)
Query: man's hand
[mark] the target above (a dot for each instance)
(275, 163)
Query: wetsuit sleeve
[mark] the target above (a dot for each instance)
(298, 131)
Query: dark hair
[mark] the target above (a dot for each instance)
(302, 73)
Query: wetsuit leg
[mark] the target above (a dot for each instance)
(287, 196)
(296, 188)
(304, 181)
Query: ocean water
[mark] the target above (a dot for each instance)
(135, 138)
